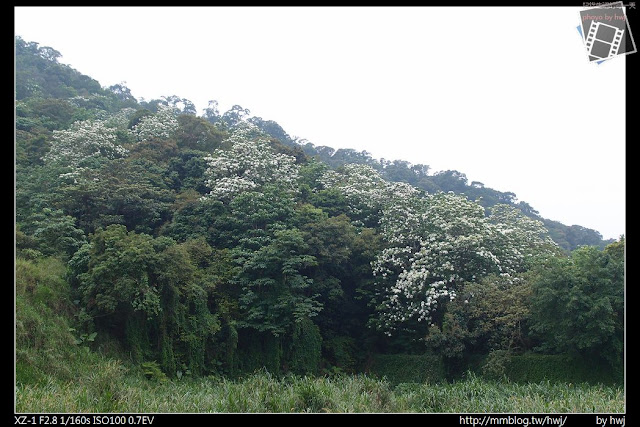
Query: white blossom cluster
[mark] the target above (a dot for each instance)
(161, 125)
(441, 241)
(363, 186)
(249, 164)
(83, 140)
(521, 238)
(120, 119)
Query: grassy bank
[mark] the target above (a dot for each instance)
(261, 392)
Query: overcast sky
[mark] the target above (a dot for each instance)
(505, 95)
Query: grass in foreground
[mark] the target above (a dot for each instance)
(263, 393)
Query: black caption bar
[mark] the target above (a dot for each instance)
(475, 420)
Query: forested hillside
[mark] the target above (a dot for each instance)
(215, 244)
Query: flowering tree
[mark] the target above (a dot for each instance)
(439, 242)
(434, 245)
(248, 165)
(366, 191)
(161, 125)
(84, 140)
(521, 241)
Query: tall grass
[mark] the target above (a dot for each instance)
(111, 389)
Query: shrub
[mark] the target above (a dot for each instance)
(407, 368)
(306, 347)
(495, 365)
(341, 352)
(559, 368)
(152, 371)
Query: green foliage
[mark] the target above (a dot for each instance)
(227, 349)
(31, 146)
(156, 153)
(137, 341)
(119, 273)
(152, 371)
(578, 304)
(84, 339)
(55, 233)
(408, 368)
(36, 189)
(495, 365)
(38, 73)
(450, 341)
(490, 315)
(342, 354)
(305, 350)
(120, 192)
(259, 351)
(196, 133)
(151, 290)
(193, 218)
(46, 343)
(275, 290)
(533, 368)
(52, 113)
(572, 237)
(477, 395)
(186, 170)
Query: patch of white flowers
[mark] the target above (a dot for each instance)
(249, 164)
(120, 119)
(363, 186)
(161, 125)
(436, 243)
(83, 140)
(519, 237)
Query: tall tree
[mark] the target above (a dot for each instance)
(578, 303)
(249, 164)
(437, 243)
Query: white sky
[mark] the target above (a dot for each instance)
(504, 95)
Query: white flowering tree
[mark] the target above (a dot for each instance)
(84, 140)
(120, 119)
(248, 165)
(161, 125)
(521, 240)
(440, 242)
(366, 191)
(434, 245)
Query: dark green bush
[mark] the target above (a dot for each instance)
(408, 368)
(258, 351)
(305, 351)
(152, 371)
(559, 368)
(341, 353)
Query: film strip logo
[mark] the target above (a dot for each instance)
(603, 41)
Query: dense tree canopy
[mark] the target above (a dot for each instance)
(218, 244)
(578, 303)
